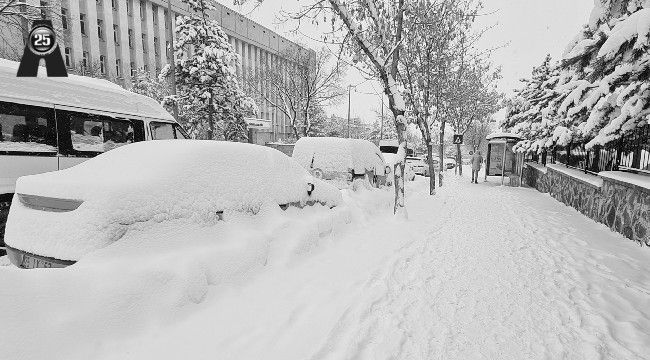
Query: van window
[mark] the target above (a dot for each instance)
(95, 133)
(166, 131)
(27, 129)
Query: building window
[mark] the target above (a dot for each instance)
(68, 61)
(118, 65)
(132, 69)
(167, 48)
(154, 13)
(64, 18)
(114, 4)
(99, 2)
(130, 38)
(144, 42)
(142, 5)
(166, 20)
(100, 27)
(146, 67)
(84, 62)
(82, 23)
(116, 34)
(102, 64)
(155, 45)
(129, 7)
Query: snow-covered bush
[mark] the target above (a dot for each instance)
(147, 183)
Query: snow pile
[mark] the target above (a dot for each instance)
(77, 91)
(338, 155)
(155, 277)
(639, 180)
(147, 183)
(553, 284)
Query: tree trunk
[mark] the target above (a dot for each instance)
(399, 166)
(426, 138)
(432, 169)
(441, 154)
(459, 160)
(210, 118)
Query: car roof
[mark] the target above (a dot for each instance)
(79, 92)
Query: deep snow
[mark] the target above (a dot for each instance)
(478, 271)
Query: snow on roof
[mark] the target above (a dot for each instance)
(502, 135)
(77, 91)
(338, 154)
(151, 182)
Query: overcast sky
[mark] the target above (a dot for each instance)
(528, 30)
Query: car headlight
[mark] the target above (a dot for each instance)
(387, 169)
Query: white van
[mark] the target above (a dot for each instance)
(49, 124)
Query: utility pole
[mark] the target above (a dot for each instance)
(171, 53)
(349, 87)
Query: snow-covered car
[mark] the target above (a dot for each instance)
(420, 167)
(389, 149)
(391, 158)
(58, 217)
(341, 161)
(450, 163)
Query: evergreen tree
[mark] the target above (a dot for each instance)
(206, 77)
(599, 91)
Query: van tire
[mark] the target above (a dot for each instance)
(5, 203)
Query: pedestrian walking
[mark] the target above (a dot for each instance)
(477, 160)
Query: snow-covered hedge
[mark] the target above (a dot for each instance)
(151, 182)
(599, 92)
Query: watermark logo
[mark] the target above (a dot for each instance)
(42, 44)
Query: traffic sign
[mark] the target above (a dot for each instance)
(458, 139)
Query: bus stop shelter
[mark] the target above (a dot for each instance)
(501, 159)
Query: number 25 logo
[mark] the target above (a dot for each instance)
(42, 40)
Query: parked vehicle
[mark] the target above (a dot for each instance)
(389, 149)
(49, 124)
(342, 161)
(59, 217)
(450, 163)
(419, 165)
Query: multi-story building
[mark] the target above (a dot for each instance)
(117, 37)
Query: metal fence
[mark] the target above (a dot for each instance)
(630, 153)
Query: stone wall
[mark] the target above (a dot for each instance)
(623, 207)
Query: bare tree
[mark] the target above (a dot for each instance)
(433, 33)
(474, 97)
(16, 17)
(304, 81)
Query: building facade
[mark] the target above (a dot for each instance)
(117, 37)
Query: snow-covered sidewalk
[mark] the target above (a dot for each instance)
(478, 271)
(481, 272)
